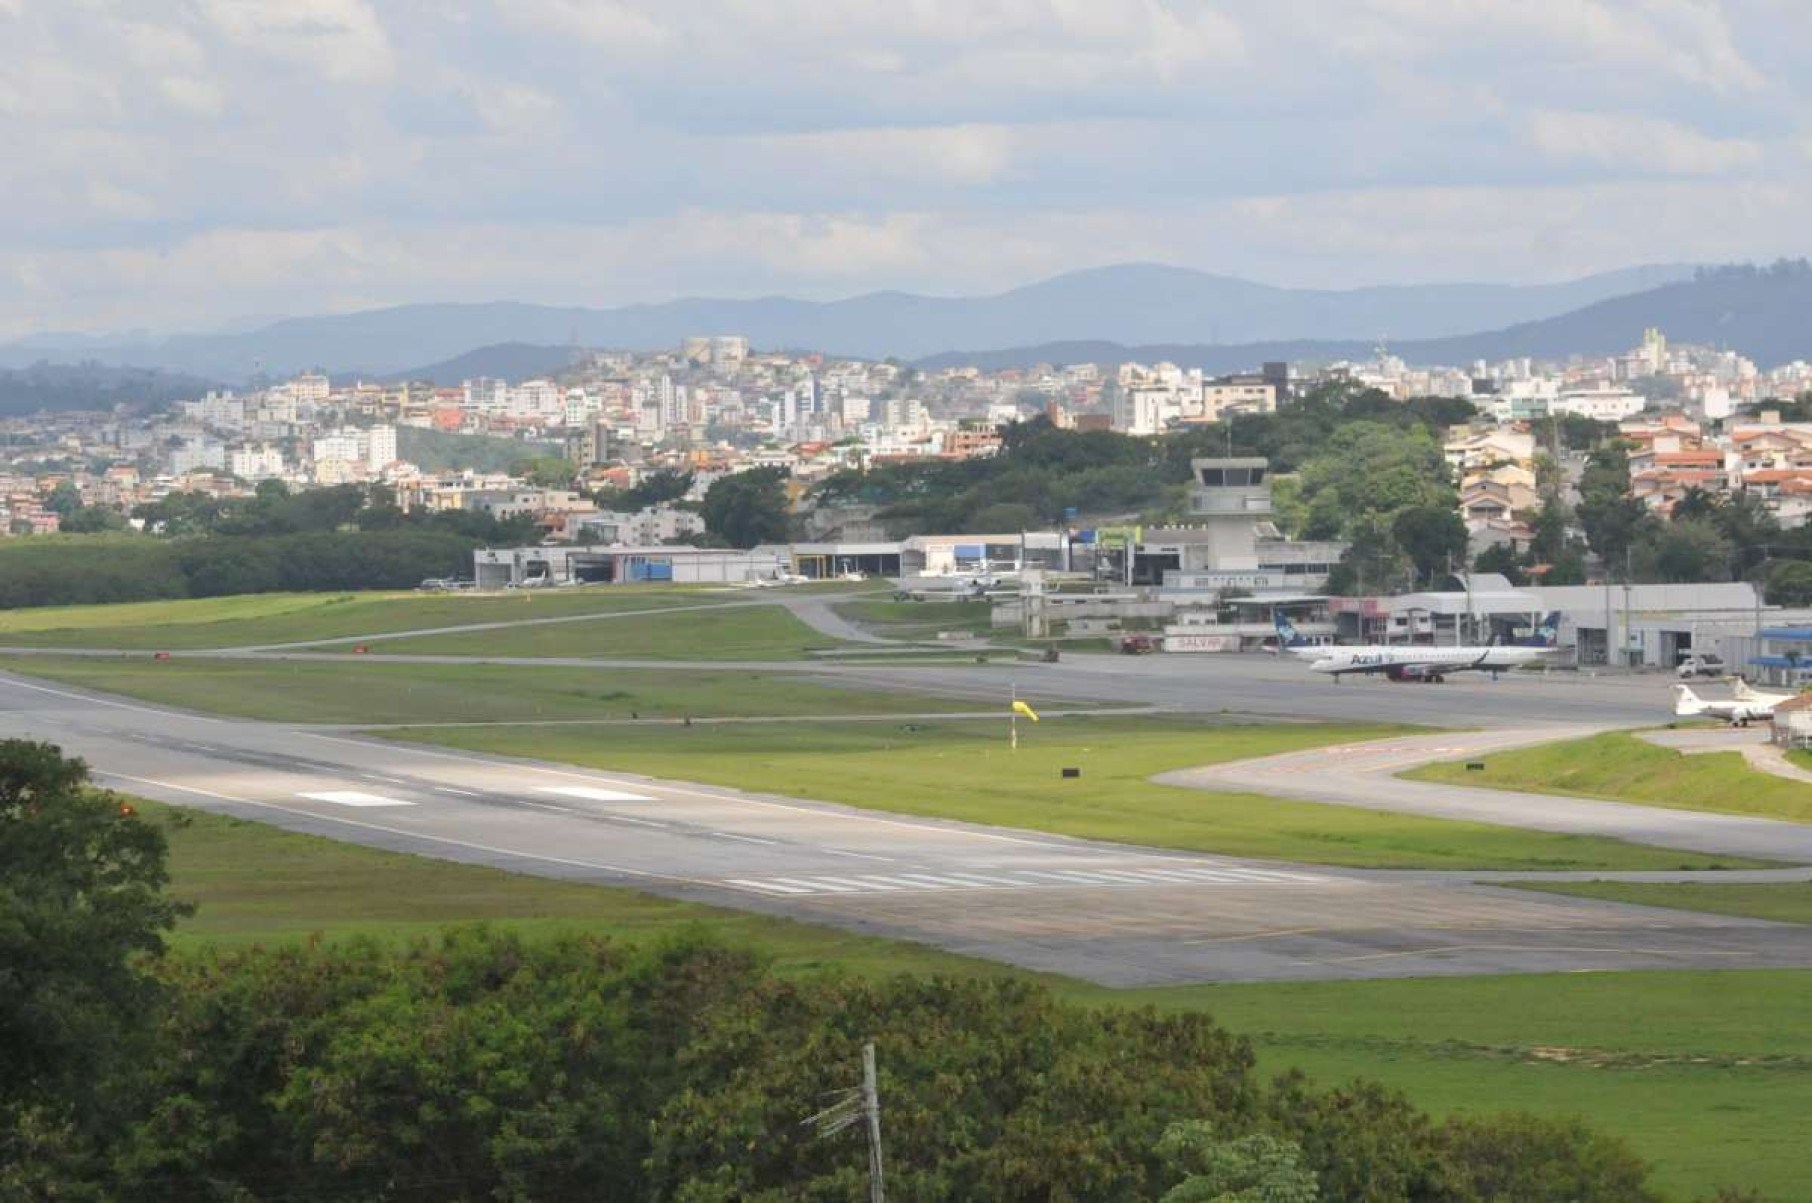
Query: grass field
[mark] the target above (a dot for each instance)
(366, 692)
(918, 620)
(1708, 1075)
(294, 617)
(1625, 768)
(963, 770)
(1782, 902)
(740, 633)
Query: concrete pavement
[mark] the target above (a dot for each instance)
(1364, 775)
(1109, 913)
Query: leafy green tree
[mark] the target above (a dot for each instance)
(546, 471)
(1499, 558)
(1684, 552)
(748, 508)
(1432, 536)
(92, 520)
(81, 901)
(1790, 584)
(64, 500)
(1613, 520)
(1251, 1169)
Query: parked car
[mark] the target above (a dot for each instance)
(1702, 664)
(1138, 645)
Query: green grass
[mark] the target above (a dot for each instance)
(366, 692)
(741, 633)
(1706, 1074)
(964, 770)
(918, 620)
(1622, 767)
(256, 884)
(294, 617)
(1782, 902)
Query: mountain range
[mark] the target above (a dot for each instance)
(1762, 313)
(1129, 305)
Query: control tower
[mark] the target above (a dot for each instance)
(1230, 497)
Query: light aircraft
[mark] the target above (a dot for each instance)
(1408, 662)
(1737, 711)
(1743, 692)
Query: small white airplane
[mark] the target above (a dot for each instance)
(1406, 663)
(1737, 711)
(1743, 692)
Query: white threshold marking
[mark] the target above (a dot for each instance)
(747, 839)
(593, 794)
(352, 797)
(489, 849)
(1020, 879)
(464, 793)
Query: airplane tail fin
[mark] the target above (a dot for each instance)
(1687, 702)
(1287, 635)
(1548, 633)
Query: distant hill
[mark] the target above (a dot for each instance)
(51, 387)
(1129, 304)
(1763, 313)
(503, 361)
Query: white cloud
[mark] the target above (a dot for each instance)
(1644, 144)
(170, 163)
(338, 39)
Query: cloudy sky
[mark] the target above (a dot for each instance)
(183, 164)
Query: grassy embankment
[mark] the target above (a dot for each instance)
(964, 770)
(918, 620)
(1706, 1074)
(296, 617)
(767, 632)
(359, 691)
(1783, 902)
(1621, 767)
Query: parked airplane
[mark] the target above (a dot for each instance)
(1407, 662)
(1742, 691)
(1737, 711)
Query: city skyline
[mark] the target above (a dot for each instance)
(228, 161)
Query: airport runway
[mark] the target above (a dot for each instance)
(1112, 914)
(1243, 685)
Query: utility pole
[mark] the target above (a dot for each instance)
(871, 1104)
(861, 1104)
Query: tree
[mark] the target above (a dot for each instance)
(82, 901)
(546, 471)
(1613, 520)
(1790, 584)
(64, 500)
(1432, 536)
(92, 520)
(1252, 1169)
(1501, 559)
(1685, 552)
(748, 508)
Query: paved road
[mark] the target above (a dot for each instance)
(1108, 913)
(1240, 685)
(1364, 775)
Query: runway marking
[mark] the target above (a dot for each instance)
(1017, 879)
(886, 860)
(747, 839)
(464, 793)
(317, 817)
(593, 794)
(352, 797)
(826, 811)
